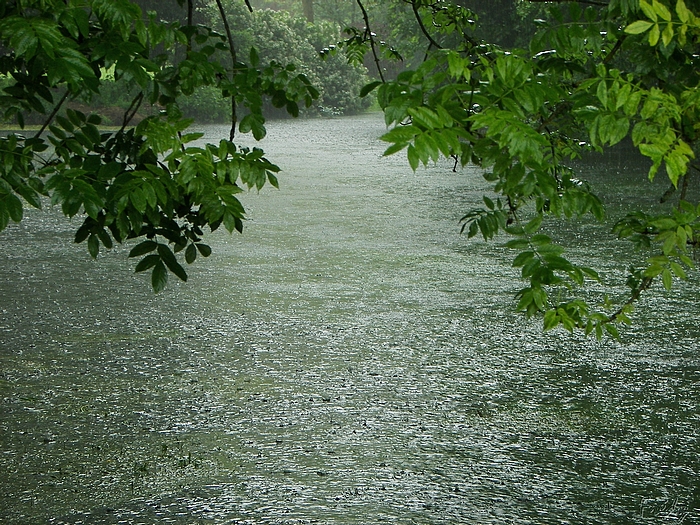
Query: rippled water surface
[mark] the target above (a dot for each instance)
(351, 359)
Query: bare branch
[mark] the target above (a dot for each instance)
(131, 110)
(614, 50)
(51, 116)
(234, 59)
(423, 29)
(636, 293)
(368, 33)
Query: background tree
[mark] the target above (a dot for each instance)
(279, 36)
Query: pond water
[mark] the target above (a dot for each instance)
(350, 359)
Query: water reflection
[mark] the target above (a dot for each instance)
(350, 359)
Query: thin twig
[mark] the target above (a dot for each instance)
(232, 51)
(636, 293)
(131, 110)
(368, 32)
(684, 188)
(50, 118)
(432, 41)
(190, 15)
(614, 50)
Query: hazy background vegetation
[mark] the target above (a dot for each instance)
(281, 31)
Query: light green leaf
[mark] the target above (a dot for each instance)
(602, 93)
(683, 12)
(661, 10)
(667, 35)
(653, 40)
(638, 27)
(648, 10)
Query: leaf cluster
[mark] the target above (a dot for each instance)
(525, 116)
(145, 182)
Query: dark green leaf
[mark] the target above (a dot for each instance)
(204, 249)
(93, 245)
(368, 88)
(190, 254)
(147, 262)
(143, 248)
(159, 277)
(168, 257)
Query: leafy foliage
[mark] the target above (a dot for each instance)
(279, 37)
(144, 182)
(590, 78)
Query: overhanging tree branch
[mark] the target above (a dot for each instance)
(234, 60)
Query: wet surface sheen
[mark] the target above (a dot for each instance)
(349, 360)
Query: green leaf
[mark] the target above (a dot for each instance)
(667, 278)
(602, 93)
(413, 158)
(667, 35)
(368, 88)
(146, 263)
(395, 148)
(401, 134)
(551, 320)
(168, 257)
(533, 225)
(159, 277)
(254, 57)
(612, 330)
(518, 244)
(143, 248)
(190, 254)
(677, 269)
(653, 40)
(93, 244)
(683, 12)
(640, 26)
(14, 207)
(138, 199)
(648, 9)
(661, 10)
(523, 258)
(204, 249)
(669, 243)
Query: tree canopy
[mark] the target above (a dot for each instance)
(575, 77)
(591, 75)
(140, 182)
